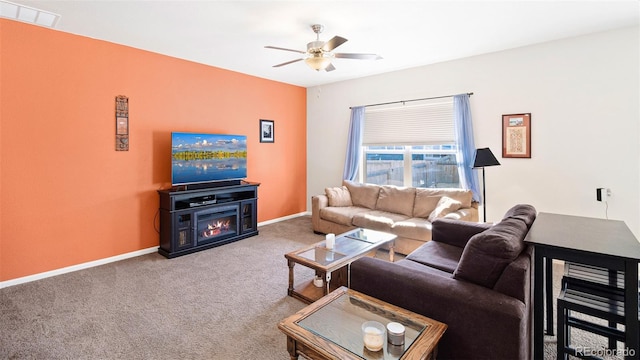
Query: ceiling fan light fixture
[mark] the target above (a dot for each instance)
(318, 62)
(319, 53)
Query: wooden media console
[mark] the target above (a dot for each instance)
(194, 220)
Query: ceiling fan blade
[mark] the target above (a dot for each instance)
(358, 56)
(288, 62)
(330, 68)
(285, 49)
(333, 43)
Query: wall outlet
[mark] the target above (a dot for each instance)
(602, 194)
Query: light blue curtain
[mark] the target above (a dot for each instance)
(354, 144)
(466, 147)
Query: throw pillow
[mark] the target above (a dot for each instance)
(427, 199)
(489, 252)
(445, 206)
(338, 196)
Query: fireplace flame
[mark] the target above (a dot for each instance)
(216, 228)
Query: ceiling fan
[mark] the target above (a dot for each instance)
(319, 53)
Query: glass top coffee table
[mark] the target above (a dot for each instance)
(332, 265)
(330, 328)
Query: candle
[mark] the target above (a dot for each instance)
(373, 337)
(395, 333)
(330, 240)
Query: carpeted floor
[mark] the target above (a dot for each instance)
(222, 303)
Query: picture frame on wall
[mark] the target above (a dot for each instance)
(267, 131)
(516, 135)
(122, 123)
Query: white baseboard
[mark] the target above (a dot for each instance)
(99, 262)
(72, 268)
(272, 221)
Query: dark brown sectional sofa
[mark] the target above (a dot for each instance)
(473, 277)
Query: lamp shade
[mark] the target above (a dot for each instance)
(318, 62)
(484, 157)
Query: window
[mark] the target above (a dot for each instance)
(433, 166)
(411, 145)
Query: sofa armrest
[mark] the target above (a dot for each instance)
(476, 315)
(317, 202)
(456, 232)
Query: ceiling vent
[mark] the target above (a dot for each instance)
(28, 14)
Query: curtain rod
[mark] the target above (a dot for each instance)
(404, 101)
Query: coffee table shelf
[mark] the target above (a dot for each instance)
(308, 292)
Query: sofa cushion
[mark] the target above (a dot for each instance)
(427, 199)
(489, 252)
(342, 215)
(439, 255)
(338, 196)
(413, 228)
(445, 206)
(526, 213)
(377, 220)
(396, 200)
(456, 232)
(365, 195)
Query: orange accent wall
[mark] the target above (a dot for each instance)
(66, 196)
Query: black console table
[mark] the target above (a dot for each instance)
(604, 243)
(194, 220)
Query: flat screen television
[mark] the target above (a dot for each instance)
(198, 158)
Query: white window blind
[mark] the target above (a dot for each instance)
(425, 123)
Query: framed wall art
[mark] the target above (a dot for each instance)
(267, 131)
(122, 123)
(516, 135)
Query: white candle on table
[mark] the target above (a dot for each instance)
(330, 240)
(373, 339)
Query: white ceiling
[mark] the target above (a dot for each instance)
(232, 34)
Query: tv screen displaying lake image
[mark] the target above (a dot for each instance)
(199, 158)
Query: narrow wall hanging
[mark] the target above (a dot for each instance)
(122, 123)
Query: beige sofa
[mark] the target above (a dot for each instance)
(405, 212)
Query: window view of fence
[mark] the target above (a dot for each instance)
(384, 169)
(430, 166)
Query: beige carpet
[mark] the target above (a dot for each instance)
(222, 303)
